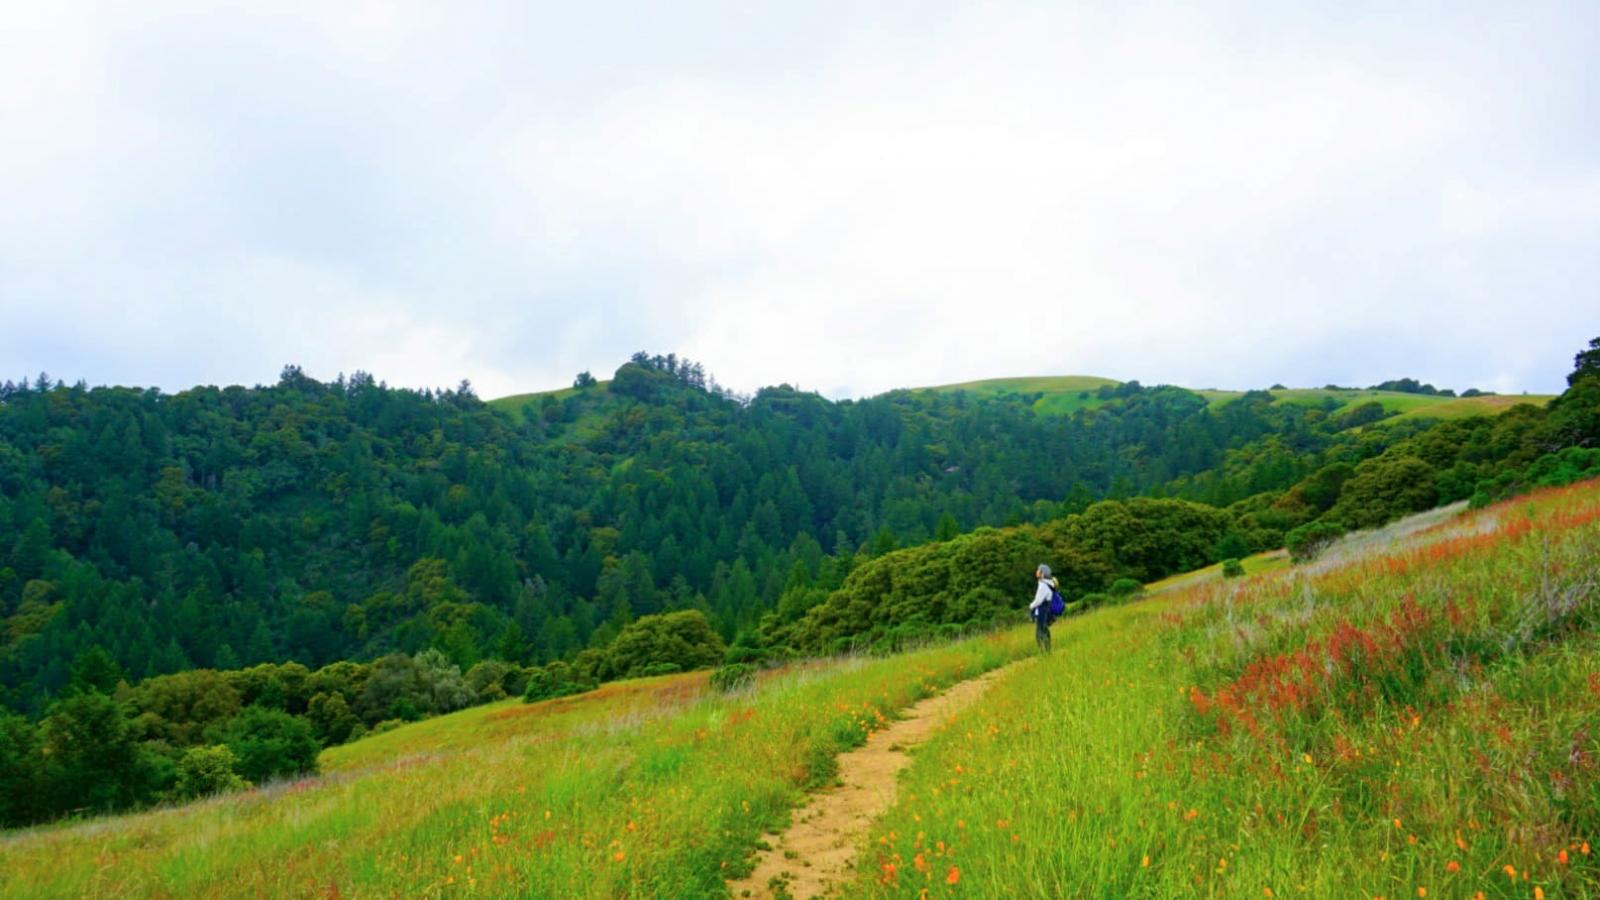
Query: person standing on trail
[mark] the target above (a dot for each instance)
(1039, 609)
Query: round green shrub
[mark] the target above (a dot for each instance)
(207, 770)
(733, 677)
(1123, 588)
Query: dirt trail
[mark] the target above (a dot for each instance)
(818, 850)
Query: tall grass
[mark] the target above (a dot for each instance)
(1419, 720)
(651, 788)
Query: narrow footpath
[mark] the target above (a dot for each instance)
(816, 853)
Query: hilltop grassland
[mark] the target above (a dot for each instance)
(647, 788)
(1399, 403)
(518, 402)
(1057, 395)
(1415, 715)
(1066, 394)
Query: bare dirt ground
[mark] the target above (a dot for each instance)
(818, 850)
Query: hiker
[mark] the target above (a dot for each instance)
(1041, 608)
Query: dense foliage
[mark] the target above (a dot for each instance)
(314, 522)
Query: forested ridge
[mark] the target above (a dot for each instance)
(316, 521)
(344, 551)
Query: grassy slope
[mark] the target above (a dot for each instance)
(642, 788)
(1060, 395)
(517, 401)
(1414, 406)
(599, 402)
(1241, 739)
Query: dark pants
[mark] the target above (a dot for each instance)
(1041, 630)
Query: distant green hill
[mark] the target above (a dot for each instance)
(1066, 394)
(582, 411)
(1056, 394)
(517, 402)
(1408, 406)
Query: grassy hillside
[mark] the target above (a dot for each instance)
(1065, 394)
(1416, 406)
(1058, 394)
(587, 416)
(651, 787)
(516, 402)
(1415, 714)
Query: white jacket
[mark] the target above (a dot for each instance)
(1042, 595)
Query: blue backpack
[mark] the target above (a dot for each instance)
(1058, 604)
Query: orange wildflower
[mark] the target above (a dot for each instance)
(1538, 893)
(618, 856)
(1452, 867)
(1562, 857)
(952, 876)
(1422, 891)
(1510, 870)
(1145, 863)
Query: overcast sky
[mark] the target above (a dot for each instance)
(845, 197)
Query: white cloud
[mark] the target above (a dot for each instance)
(850, 202)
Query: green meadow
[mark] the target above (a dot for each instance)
(645, 788)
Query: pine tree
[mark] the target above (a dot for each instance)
(512, 647)
(94, 670)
